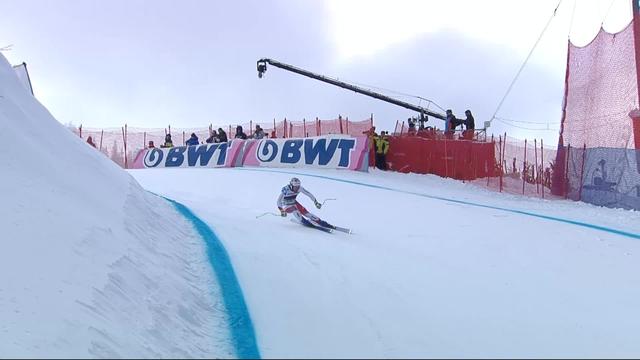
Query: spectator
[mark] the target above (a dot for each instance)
(382, 147)
(371, 136)
(470, 125)
(151, 144)
(450, 124)
(168, 143)
(222, 136)
(213, 138)
(547, 177)
(412, 126)
(371, 132)
(412, 123)
(90, 141)
(240, 133)
(259, 133)
(273, 134)
(469, 122)
(193, 140)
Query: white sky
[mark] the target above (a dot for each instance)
(364, 28)
(188, 64)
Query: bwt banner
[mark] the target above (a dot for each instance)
(329, 152)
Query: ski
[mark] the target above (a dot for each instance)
(322, 228)
(344, 230)
(307, 223)
(333, 227)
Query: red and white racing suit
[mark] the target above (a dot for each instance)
(287, 202)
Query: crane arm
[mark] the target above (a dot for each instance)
(262, 68)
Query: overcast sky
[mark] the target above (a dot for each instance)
(190, 63)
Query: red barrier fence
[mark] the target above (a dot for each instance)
(501, 163)
(457, 159)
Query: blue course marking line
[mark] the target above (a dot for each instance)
(242, 331)
(546, 217)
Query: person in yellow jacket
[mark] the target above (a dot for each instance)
(382, 147)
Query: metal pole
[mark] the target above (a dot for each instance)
(584, 152)
(542, 162)
(566, 174)
(501, 164)
(535, 167)
(524, 166)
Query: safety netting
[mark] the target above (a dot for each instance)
(598, 158)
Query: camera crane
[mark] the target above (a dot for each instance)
(262, 68)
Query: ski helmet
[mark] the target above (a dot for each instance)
(295, 182)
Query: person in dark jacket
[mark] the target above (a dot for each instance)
(222, 135)
(469, 122)
(240, 134)
(213, 138)
(168, 143)
(470, 125)
(90, 141)
(193, 140)
(258, 133)
(451, 124)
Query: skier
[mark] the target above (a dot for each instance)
(287, 203)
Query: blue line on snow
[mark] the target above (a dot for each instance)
(547, 217)
(242, 331)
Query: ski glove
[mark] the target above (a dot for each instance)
(283, 213)
(318, 205)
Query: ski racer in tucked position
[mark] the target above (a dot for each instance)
(287, 203)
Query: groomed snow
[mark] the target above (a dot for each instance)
(421, 276)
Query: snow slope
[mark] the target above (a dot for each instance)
(91, 265)
(435, 268)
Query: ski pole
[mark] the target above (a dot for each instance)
(267, 213)
(325, 200)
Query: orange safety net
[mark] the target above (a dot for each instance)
(598, 157)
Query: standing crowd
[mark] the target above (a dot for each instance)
(216, 136)
(380, 146)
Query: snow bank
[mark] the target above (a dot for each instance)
(90, 264)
